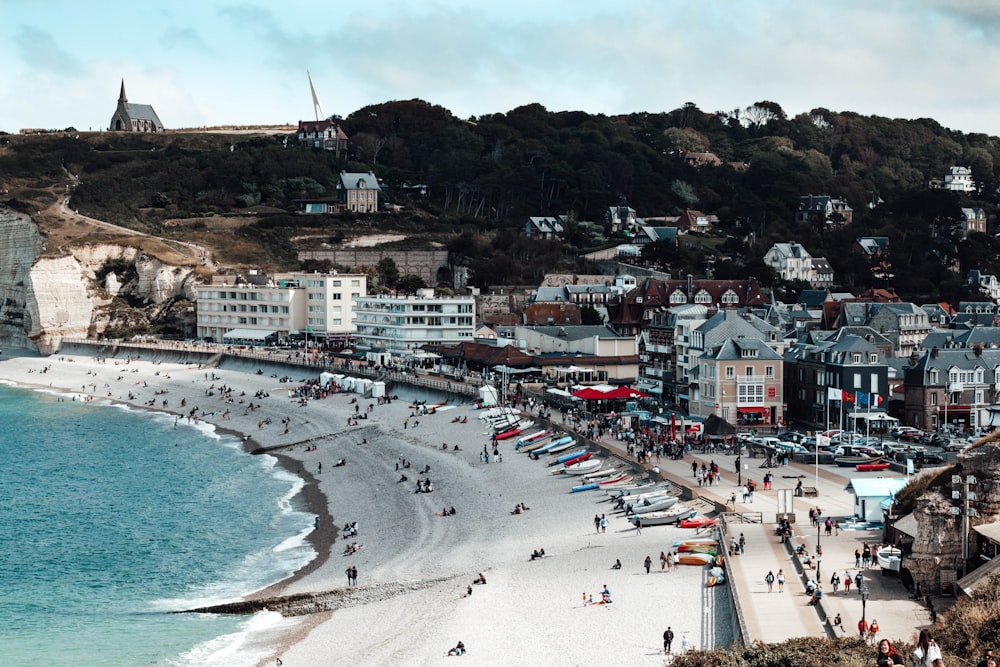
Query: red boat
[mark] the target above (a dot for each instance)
(578, 459)
(698, 522)
(509, 434)
(871, 467)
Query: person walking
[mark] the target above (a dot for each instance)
(781, 581)
(857, 559)
(770, 581)
(638, 526)
(835, 582)
(862, 629)
(648, 563)
(604, 524)
(668, 639)
(597, 524)
(847, 582)
(858, 580)
(743, 544)
(663, 561)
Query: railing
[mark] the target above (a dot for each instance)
(742, 628)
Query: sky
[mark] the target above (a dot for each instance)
(214, 62)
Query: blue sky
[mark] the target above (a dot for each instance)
(208, 62)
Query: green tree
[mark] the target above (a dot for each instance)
(388, 273)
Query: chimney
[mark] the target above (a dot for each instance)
(934, 352)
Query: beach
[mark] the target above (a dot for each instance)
(415, 567)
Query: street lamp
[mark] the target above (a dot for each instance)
(864, 599)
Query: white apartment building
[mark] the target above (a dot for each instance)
(400, 325)
(959, 179)
(320, 303)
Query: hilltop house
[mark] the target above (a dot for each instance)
(824, 209)
(959, 179)
(134, 117)
(696, 221)
(975, 220)
(358, 192)
(793, 262)
(544, 228)
(324, 135)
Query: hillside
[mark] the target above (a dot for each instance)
(235, 194)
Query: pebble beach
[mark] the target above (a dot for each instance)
(416, 565)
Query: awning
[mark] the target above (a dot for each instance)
(248, 334)
(754, 410)
(954, 408)
(593, 393)
(683, 397)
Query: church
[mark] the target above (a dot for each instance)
(134, 117)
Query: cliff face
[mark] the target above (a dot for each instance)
(47, 299)
(938, 544)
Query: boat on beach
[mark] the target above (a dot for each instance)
(537, 435)
(666, 517)
(616, 482)
(889, 558)
(583, 467)
(538, 444)
(552, 443)
(561, 448)
(699, 522)
(695, 559)
(566, 457)
(657, 504)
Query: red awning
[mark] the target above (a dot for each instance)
(592, 394)
(954, 408)
(755, 410)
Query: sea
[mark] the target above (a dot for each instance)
(113, 518)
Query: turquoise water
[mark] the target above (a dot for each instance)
(113, 517)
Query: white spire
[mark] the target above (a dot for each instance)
(317, 106)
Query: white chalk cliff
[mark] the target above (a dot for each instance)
(46, 299)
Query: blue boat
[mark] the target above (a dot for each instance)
(585, 487)
(555, 443)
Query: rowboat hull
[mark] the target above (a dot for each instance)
(699, 522)
(695, 559)
(852, 461)
(656, 505)
(871, 467)
(583, 467)
(667, 517)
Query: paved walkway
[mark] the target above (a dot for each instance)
(775, 617)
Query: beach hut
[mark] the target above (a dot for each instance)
(327, 379)
(378, 389)
(361, 386)
(870, 493)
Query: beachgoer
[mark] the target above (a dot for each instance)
(847, 582)
(835, 582)
(770, 581)
(597, 524)
(838, 622)
(872, 630)
(781, 581)
(647, 563)
(604, 524)
(638, 526)
(743, 543)
(927, 653)
(458, 650)
(617, 565)
(857, 559)
(668, 639)
(862, 629)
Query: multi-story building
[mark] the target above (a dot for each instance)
(401, 325)
(358, 192)
(324, 135)
(951, 386)
(975, 220)
(793, 262)
(740, 380)
(824, 209)
(320, 304)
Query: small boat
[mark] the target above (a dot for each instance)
(695, 559)
(538, 444)
(514, 430)
(566, 457)
(552, 443)
(851, 461)
(537, 435)
(612, 483)
(668, 516)
(577, 458)
(889, 558)
(657, 504)
(698, 549)
(603, 472)
(561, 448)
(585, 487)
(583, 467)
(872, 467)
(698, 540)
(699, 522)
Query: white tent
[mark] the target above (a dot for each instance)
(326, 379)
(378, 389)
(488, 396)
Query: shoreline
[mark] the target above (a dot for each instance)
(411, 604)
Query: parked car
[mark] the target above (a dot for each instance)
(928, 459)
(954, 445)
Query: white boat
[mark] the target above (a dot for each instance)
(583, 467)
(626, 505)
(498, 413)
(561, 448)
(665, 517)
(655, 505)
(631, 487)
(538, 444)
(602, 473)
(658, 490)
(889, 558)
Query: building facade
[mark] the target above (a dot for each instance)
(740, 381)
(358, 192)
(401, 325)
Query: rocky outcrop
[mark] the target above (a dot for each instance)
(47, 299)
(940, 531)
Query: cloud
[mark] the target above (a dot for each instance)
(40, 51)
(185, 39)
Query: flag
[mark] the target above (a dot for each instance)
(308, 330)
(878, 399)
(832, 394)
(861, 398)
(846, 397)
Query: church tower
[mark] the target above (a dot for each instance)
(135, 117)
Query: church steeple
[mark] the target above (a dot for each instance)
(121, 95)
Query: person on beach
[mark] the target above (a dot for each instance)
(597, 524)
(663, 561)
(668, 639)
(458, 650)
(647, 563)
(604, 524)
(638, 526)
(617, 565)
(781, 581)
(770, 581)
(670, 561)
(743, 543)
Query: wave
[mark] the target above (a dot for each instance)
(237, 648)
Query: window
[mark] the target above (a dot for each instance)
(730, 372)
(769, 371)
(857, 381)
(934, 400)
